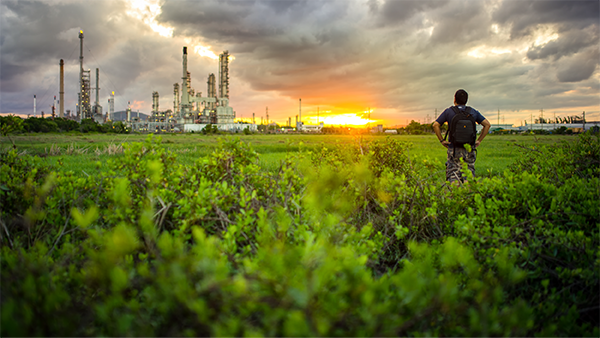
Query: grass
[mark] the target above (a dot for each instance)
(87, 153)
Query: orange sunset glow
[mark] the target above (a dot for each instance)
(338, 117)
(345, 119)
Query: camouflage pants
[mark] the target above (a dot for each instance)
(453, 165)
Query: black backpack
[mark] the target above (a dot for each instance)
(462, 128)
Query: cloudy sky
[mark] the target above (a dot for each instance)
(401, 59)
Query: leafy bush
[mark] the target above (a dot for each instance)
(363, 242)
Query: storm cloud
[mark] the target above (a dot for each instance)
(403, 58)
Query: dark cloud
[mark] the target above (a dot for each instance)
(568, 43)
(9, 74)
(33, 33)
(577, 68)
(36, 34)
(523, 16)
(460, 22)
(282, 6)
(395, 12)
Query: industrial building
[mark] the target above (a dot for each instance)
(191, 111)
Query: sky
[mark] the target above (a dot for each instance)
(392, 60)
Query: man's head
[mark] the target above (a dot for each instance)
(461, 97)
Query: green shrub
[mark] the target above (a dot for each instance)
(362, 243)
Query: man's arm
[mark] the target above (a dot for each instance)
(486, 128)
(438, 133)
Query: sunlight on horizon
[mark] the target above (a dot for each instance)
(346, 119)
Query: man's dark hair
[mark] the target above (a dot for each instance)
(461, 96)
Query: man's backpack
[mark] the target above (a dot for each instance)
(462, 128)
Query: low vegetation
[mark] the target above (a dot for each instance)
(351, 239)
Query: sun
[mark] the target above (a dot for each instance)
(343, 119)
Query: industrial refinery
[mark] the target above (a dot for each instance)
(191, 111)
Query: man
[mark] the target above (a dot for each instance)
(455, 151)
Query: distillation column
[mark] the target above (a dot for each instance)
(212, 90)
(111, 106)
(224, 75)
(176, 99)
(155, 102)
(84, 84)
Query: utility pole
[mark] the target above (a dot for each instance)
(542, 118)
(584, 121)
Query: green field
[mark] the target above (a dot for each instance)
(87, 153)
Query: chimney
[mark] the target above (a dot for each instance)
(61, 97)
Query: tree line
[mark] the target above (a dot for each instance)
(16, 124)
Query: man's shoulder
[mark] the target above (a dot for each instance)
(443, 117)
(473, 110)
(449, 110)
(478, 116)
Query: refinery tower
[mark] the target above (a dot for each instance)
(190, 106)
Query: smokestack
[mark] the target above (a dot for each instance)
(128, 112)
(80, 73)
(253, 120)
(34, 99)
(267, 115)
(61, 97)
(54, 107)
(97, 87)
(184, 87)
